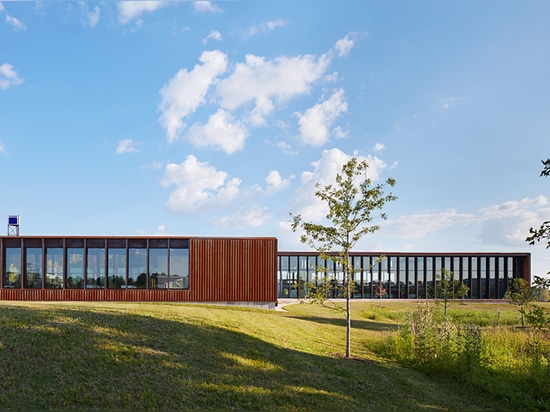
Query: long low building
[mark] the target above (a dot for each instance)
(248, 271)
(404, 275)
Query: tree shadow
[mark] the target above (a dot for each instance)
(93, 359)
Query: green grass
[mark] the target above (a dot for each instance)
(145, 356)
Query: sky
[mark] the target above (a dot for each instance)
(205, 118)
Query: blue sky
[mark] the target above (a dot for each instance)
(217, 118)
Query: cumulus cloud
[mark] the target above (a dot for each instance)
(264, 83)
(222, 131)
(275, 182)
(8, 76)
(127, 146)
(130, 10)
(199, 186)
(344, 46)
(186, 91)
(206, 7)
(252, 90)
(316, 121)
(324, 172)
(213, 35)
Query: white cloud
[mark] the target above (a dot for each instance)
(199, 187)
(324, 172)
(378, 147)
(264, 27)
(422, 224)
(15, 22)
(221, 131)
(267, 82)
(2, 147)
(504, 225)
(509, 222)
(8, 76)
(92, 15)
(206, 7)
(186, 91)
(130, 10)
(344, 46)
(315, 122)
(275, 182)
(214, 35)
(127, 146)
(245, 217)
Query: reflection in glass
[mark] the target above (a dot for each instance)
(33, 267)
(75, 268)
(12, 274)
(116, 268)
(179, 268)
(158, 268)
(54, 267)
(137, 268)
(95, 270)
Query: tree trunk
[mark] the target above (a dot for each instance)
(348, 324)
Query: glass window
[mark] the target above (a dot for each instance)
(179, 268)
(474, 287)
(116, 268)
(158, 268)
(137, 268)
(54, 267)
(412, 277)
(403, 281)
(33, 267)
(421, 276)
(95, 270)
(12, 274)
(75, 268)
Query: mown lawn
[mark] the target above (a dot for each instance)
(145, 356)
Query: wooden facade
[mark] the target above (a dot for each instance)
(227, 270)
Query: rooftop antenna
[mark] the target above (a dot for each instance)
(13, 225)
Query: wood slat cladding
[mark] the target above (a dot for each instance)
(233, 270)
(229, 270)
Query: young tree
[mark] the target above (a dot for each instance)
(542, 233)
(352, 203)
(519, 293)
(448, 288)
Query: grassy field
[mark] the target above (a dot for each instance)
(144, 356)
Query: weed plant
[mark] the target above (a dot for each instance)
(508, 364)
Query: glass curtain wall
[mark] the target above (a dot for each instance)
(54, 267)
(33, 267)
(75, 267)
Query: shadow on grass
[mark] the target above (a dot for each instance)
(355, 324)
(74, 359)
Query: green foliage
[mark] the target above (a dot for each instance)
(519, 293)
(448, 288)
(543, 232)
(353, 204)
(507, 365)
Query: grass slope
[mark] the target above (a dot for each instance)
(144, 356)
